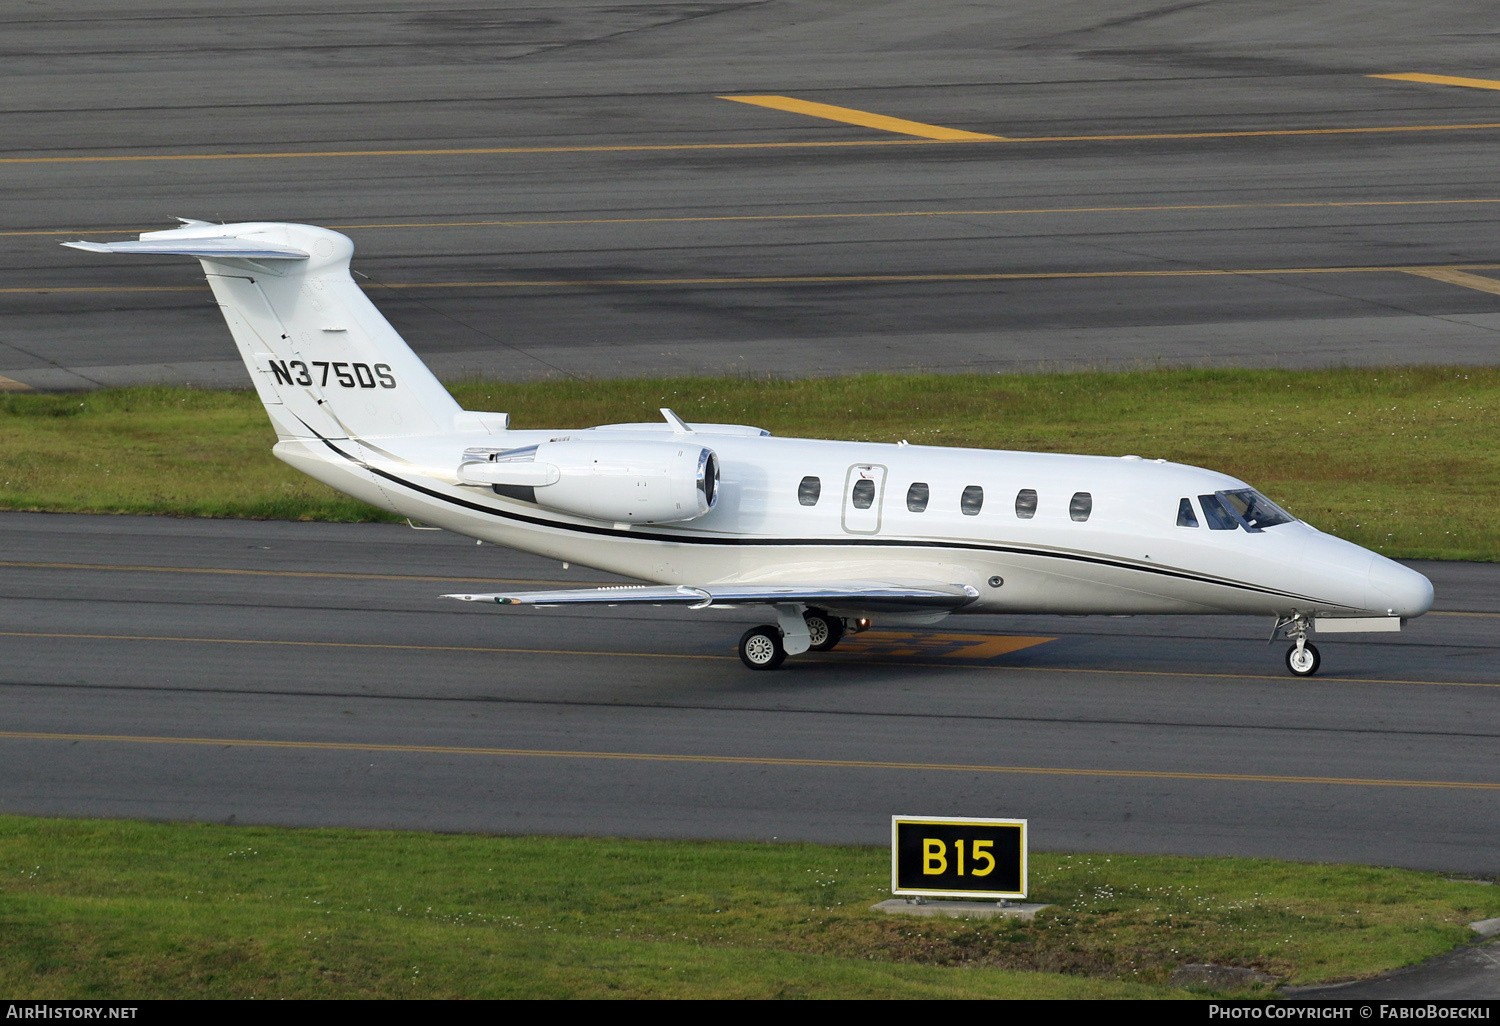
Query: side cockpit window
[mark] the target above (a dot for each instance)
(809, 490)
(1257, 511)
(1219, 518)
(1185, 515)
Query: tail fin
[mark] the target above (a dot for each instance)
(323, 359)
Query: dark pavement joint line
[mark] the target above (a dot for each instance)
(827, 658)
(852, 215)
(743, 760)
(1442, 272)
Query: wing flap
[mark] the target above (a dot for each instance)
(861, 594)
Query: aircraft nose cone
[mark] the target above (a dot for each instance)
(1397, 591)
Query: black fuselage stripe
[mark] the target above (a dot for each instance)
(850, 542)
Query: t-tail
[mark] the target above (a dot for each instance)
(323, 359)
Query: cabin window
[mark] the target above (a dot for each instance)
(1255, 509)
(1026, 503)
(809, 490)
(1185, 515)
(1219, 518)
(1080, 506)
(863, 495)
(916, 497)
(972, 501)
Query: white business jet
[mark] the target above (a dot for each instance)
(828, 535)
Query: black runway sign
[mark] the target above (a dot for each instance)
(958, 858)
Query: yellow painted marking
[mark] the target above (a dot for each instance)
(353, 644)
(1453, 276)
(287, 573)
(1252, 134)
(963, 646)
(752, 760)
(1446, 612)
(549, 222)
(840, 278)
(863, 118)
(44, 289)
(1447, 80)
(10, 385)
(670, 147)
(950, 646)
(795, 279)
(477, 151)
(658, 655)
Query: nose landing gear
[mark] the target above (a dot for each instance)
(1302, 658)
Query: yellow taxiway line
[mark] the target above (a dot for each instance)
(863, 118)
(352, 644)
(686, 147)
(752, 760)
(286, 573)
(1447, 80)
(1453, 276)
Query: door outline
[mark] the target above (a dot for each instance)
(862, 518)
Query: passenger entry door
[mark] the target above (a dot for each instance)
(864, 492)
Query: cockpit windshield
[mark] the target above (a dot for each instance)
(1254, 509)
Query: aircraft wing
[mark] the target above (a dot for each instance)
(858, 594)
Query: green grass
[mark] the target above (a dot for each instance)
(92, 909)
(1402, 460)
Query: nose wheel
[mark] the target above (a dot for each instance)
(1303, 659)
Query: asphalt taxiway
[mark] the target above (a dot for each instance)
(309, 674)
(565, 191)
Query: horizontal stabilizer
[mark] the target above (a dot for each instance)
(246, 249)
(858, 594)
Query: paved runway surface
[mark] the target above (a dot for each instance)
(309, 674)
(559, 189)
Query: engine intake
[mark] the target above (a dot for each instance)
(618, 480)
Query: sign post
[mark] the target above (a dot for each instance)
(953, 857)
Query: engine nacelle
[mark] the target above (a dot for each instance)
(618, 480)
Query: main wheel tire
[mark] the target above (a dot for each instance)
(1303, 663)
(824, 631)
(761, 648)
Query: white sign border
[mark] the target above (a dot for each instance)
(898, 892)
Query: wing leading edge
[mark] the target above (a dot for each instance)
(858, 594)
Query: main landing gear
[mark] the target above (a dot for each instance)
(1302, 658)
(767, 646)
